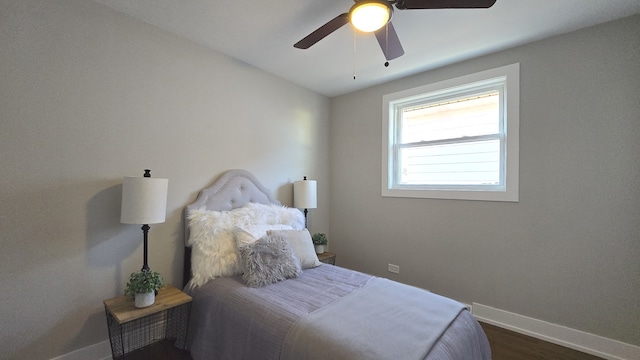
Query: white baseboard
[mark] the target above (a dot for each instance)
(574, 339)
(99, 351)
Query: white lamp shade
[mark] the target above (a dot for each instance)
(144, 200)
(305, 195)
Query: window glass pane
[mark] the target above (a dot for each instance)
(467, 163)
(451, 119)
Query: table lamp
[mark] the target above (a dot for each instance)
(144, 201)
(305, 196)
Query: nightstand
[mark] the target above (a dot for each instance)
(327, 258)
(139, 333)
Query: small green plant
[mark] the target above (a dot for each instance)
(145, 281)
(319, 239)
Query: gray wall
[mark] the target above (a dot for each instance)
(88, 95)
(569, 251)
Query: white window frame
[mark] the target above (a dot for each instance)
(510, 74)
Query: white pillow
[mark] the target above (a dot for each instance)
(302, 245)
(275, 214)
(214, 252)
(216, 255)
(244, 217)
(260, 230)
(244, 238)
(249, 234)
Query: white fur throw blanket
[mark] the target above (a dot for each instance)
(214, 251)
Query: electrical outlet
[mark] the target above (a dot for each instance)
(394, 269)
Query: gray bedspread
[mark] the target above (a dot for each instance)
(383, 320)
(232, 321)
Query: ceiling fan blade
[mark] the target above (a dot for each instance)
(389, 42)
(324, 30)
(444, 4)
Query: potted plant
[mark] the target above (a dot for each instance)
(143, 286)
(319, 241)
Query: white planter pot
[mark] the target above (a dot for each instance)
(319, 249)
(145, 299)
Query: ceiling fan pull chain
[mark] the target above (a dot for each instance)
(355, 35)
(386, 38)
(386, 43)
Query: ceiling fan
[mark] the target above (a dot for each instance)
(375, 16)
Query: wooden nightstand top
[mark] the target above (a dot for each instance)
(123, 309)
(327, 257)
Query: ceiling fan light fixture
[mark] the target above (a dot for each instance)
(370, 15)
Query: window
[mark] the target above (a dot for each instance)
(456, 139)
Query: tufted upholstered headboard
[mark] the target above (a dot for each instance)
(233, 189)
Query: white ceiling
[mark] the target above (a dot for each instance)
(262, 33)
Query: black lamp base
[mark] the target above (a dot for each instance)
(145, 231)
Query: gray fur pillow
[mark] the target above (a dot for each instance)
(268, 260)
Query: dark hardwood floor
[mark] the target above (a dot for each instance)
(505, 345)
(508, 345)
(162, 350)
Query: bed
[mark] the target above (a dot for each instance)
(260, 293)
